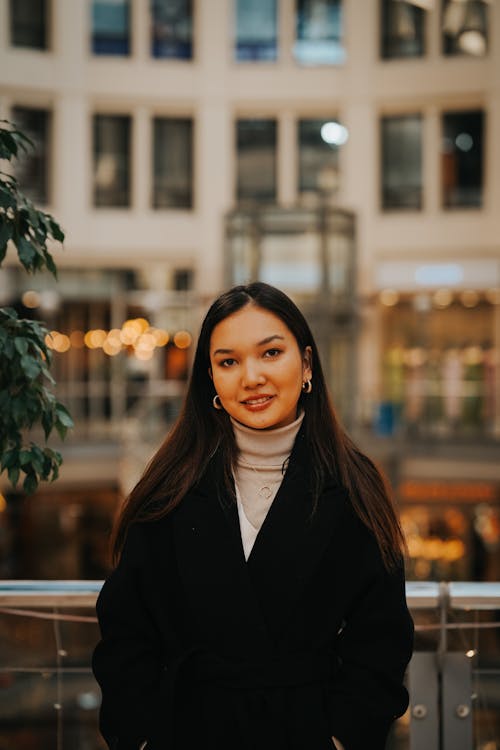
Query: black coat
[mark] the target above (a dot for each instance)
(201, 649)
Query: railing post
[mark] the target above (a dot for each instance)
(424, 711)
(441, 692)
(456, 701)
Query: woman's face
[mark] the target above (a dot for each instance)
(257, 368)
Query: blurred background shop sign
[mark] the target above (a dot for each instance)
(408, 276)
(459, 492)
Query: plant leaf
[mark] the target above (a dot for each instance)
(30, 483)
(25, 457)
(9, 144)
(7, 200)
(21, 345)
(5, 232)
(8, 459)
(47, 423)
(64, 416)
(13, 474)
(56, 230)
(30, 367)
(26, 252)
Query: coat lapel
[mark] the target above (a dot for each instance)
(214, 572)
(292, 540)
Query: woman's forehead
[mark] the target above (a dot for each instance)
(249, 326)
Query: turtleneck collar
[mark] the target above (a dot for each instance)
(265, 448)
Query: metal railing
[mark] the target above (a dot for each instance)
(48, 630)
(454, 677)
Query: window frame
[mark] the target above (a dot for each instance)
(49, 153)
(186, 116)
(400, 115)
(425, 41)
(257, 116)
(48, 41)
(130, 38)
(234, 40)
(464, 109)
(121, 113)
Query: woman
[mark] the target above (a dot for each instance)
(258, 601)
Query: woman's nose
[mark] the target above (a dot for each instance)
(252, 375)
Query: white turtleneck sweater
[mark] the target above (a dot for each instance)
(259, 473)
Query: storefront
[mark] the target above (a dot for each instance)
(452, 529)
(440, 349)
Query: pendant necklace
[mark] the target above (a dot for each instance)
(264, 491)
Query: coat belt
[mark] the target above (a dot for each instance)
(290, 670)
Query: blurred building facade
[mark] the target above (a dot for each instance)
(157, 122)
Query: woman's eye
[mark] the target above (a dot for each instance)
(272, 352)
(227, 362)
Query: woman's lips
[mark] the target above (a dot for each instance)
(259, 403)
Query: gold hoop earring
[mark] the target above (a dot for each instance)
(307, 386)
(216, 402)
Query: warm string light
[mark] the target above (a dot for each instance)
(442, 298)
(136, 336)
(182, 340)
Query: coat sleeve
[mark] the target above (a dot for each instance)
(374, 647)
(127, 662)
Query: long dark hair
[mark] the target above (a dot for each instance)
(202, 431)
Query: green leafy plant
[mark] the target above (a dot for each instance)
(26, 399)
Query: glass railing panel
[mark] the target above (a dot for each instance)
(48, 697)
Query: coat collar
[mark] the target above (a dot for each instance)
(257, 596)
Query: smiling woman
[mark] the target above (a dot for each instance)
(258, 598)
(258, 375)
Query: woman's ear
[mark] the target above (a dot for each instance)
(210, 373)
(307, 363)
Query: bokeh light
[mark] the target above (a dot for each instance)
(183, 339)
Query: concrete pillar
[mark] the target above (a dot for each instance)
(72, 155)
(431, 160)
(213, 136)
(140, 25)
(287, 154)
(141, 159)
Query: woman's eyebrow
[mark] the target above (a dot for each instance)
(267, 340)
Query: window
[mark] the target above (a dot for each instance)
(256, 160)
(171, 29)
(183, 279)
(465, 27)
(401, 168)
(172, 162)
(112, 160)
(462, 159)
(319, 32)
(402, 29)
(111, 27)
(33, 167)
(319, 142)
(256, 30)
(29, 23)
